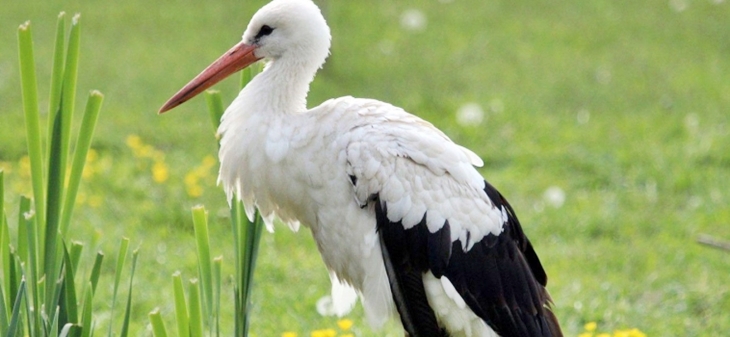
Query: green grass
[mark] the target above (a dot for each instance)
(624, 105)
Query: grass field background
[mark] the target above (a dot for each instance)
(605, 123)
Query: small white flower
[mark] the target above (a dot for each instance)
(470, 114)
(413, 20)
(554, 196)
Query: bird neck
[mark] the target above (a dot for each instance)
(283, 86)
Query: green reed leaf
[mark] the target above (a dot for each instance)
(128, 309)
(181, 310)
(195, 309)
(86, 132)
(200, 224)
(158, 326)
(29, 87)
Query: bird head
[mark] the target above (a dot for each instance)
(293, 32)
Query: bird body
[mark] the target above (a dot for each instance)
(398, 211)
(300, 167)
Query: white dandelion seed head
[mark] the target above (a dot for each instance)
(554, 196)
(413, 20)
(470, 114)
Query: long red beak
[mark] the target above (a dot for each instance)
(235, 59)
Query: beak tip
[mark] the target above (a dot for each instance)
(237, 58)
(163, 109)
(171, 104)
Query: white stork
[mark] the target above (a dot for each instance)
(398, 210)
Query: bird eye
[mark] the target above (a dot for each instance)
(265, 30)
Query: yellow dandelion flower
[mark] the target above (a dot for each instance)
(324, 333)
(134, 141)
(289, 334)
(160, 172)
(636, 333)
(618, 333)
(586, 334)
(590, 326)
(209, 161)
(603, 335)
(194, 191)
(347, 335)
(345, 324)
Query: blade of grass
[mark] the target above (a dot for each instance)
(86, 132)
(3, 313)
(69, 305)
(247, 75)
(195, 309)
(200, 224)
(22, 243)
(236, 213)
(58, 315)
(217, 266)
(30, 317)
(55, 192)
(128, 309)
(57, 70)
(53, 107)
(158, 326)
(12, 276)
(54, 323)
(253, 238)
(96, 271)
(181, 310)
(247, 237)
(34, 320)
(27, 256)
(29, 87)
(4, 243)
(69, 330)
(121, 257)
(68, 91)
(15, 317)
(86, 318)
(75, 254)
(215, 107)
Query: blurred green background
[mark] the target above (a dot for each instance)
(604, 122)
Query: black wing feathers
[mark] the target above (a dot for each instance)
(500, 278)
(406, 255)
(516, 233)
